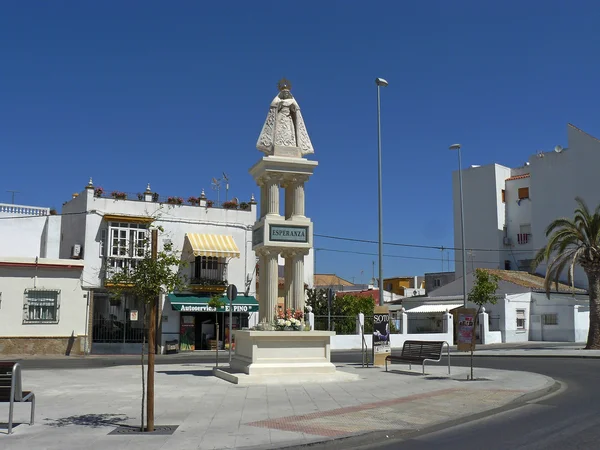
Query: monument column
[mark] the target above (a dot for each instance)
(272, 284)
(288, 278)
(272, 195)
(298, 198)
(262, 284)
(298, 280)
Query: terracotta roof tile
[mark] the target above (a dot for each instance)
(529, 280)
(518, 177)
(326, 279)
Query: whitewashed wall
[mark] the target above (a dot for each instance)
(570, 310)
(511, 304)
(30, 236)
(73, 301)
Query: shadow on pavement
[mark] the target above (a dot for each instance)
(89, 420)
(198, 373)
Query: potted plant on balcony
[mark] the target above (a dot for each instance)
(118, 195)
(140, 196)
(231, 204)
(155, 197)
(98, 192)
(209, 203)
(194, 201)
(175, 201)
(245, 206)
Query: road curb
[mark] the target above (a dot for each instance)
(367, 440)
(458, 355)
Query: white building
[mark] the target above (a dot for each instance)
(104, 230)
(507, 210)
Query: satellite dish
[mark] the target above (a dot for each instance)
(558, 149)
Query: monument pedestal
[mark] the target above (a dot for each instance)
(282, 352)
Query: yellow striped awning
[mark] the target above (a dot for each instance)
(217, 245)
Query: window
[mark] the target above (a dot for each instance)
(127, 240)
(520, 319)
(503, 196)
(550, 319)
(209, 267)
(523, 193)
(437, 282)
(41, 306)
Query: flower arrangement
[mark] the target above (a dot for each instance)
(194, 201)
(175, 201)
(288, 320)
(244, 206)
(140, 196)
(117, 195)
(230, 205)
(209, 203)
(98, 191)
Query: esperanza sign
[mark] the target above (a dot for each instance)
(288, 233)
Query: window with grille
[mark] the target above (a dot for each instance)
(127, 240)
(520, 319)
(41, 306)
(550, 319)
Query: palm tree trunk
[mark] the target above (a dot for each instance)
(593, 341)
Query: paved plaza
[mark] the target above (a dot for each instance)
(78, 408)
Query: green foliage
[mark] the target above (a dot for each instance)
(344, 310)
(571, 242)
(150, 277)
(484, 289)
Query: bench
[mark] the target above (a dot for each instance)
(11, 390)
(418, 352)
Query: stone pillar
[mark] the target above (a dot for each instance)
(298, 195)
(263, 200)
(268, 307)
(289, 200)
(262, 285)
(360, 323)
(288, 276)
(298, 281)
(449, 327)
(484, 326)
(272, 200)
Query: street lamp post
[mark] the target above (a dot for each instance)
(380, 82)
(462, 224)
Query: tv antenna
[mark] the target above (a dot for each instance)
(216, 185)
(226, 180)
(13, 195)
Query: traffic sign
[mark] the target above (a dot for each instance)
(231, 292)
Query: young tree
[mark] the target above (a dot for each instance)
(575, 242)
(483, 293)
(156, 272)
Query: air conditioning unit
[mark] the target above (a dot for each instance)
(506, 240)
(76, 251)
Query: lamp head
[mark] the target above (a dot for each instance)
(455, 147)
(381, 82)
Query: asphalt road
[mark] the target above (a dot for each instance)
(567, 420)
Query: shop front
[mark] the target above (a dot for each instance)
(197, 320)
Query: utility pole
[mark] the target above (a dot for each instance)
(152, 343)
(442, 249)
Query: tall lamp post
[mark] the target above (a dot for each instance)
(380, 82)
(462, 224)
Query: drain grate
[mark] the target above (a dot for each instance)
(159, 430)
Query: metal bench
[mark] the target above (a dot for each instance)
(11, 390)
(418, 352)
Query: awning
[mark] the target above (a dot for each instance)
(433, 308)
(194, 303)
(217, 245)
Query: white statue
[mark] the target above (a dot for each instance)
(284, 127)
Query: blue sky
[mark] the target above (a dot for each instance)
(175, 93)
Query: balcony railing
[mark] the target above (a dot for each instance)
(523, 238)
(115, 266)
(21, 210)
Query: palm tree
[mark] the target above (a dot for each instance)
(575, 242)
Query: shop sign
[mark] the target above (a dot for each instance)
(288, 233)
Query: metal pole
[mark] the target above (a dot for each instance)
(380, 198)
(462, 230)
(230, 328)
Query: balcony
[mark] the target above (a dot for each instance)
(208, 275)
(113, 266)
(22, 210)
(523, 238)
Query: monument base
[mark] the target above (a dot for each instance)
(276, 353)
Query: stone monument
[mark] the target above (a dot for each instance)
(285, 142)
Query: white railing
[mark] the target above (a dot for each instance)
(21, 210)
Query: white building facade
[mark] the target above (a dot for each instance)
(507, 210)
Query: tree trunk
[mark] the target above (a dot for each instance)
(151, 354)
(143, 379)
(593, 340)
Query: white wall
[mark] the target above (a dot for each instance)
(557, 178)
(570, 310)
(517, 214)
(484, 213)
(73, 302)
(29, 236)
(511, 304)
